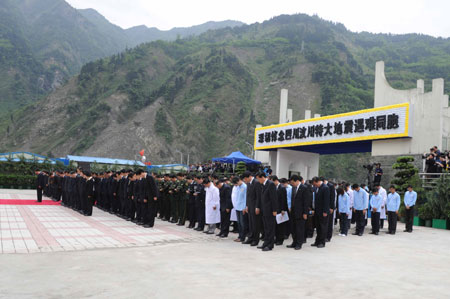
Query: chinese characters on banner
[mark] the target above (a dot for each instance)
(370, 124)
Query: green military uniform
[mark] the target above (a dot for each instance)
(182, 201)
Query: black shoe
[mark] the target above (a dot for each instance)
(260, 247)
(327, 240)
(254, 244)
(180, 224)
(291, 246)
(146, 226)
(360, 234)
(247, 242)
(298, 247)
(279, 243)
(355, 234)
(388, 233)
(371, 233)
(314, 244)
(406, 231)
(320, 246)
(219, 235)
(198, 229)
(223, 236)
(410, 231)
(209, 233)
(266, 249)
(376, 234)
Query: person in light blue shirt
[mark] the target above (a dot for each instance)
(241, 202)
(376, 202)
(410, 201)
(392, 206)
(344, 211)
(288, 187)
(360, 206)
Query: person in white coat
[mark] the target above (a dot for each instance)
(382, 192)
(212, 206)
(349, 191)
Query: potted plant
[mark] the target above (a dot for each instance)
(426, 213)
(418, 221)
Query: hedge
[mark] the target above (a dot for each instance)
(14, 181)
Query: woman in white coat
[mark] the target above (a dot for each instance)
(212, 206)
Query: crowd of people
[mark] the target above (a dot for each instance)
(437, 161)
(256, 206)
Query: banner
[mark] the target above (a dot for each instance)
(370, 124)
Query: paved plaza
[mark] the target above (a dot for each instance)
(48, 251)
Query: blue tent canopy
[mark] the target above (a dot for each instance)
(236, 157)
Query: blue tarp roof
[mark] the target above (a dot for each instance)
(166, 165)
(103, 160)
(236, 157)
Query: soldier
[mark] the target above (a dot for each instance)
(191, 201)
(182, 199)
(199, 194)
(165, 198)
(173, 196)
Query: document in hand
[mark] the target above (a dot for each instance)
(280, 218)
(233, 216)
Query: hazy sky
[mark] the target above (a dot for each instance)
(395, 16)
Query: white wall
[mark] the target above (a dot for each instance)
(288, 160)
(427, 120)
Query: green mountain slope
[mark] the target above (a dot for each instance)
(43, 43)
(204, 95)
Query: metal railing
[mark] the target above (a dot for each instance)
(429, 180)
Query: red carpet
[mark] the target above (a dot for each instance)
(28, 202)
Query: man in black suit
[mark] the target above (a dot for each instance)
(280, 231)
(300, 207)
(268, 207)
(150, 197)
(332, 208)
(40, 184)
(254, 215)
(321, 206)
(225, 208)
(89, 193)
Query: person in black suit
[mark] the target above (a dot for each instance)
(40, 184)
(332, 208)
(225, 208)
(150, 197)
(89, 193)
(280, 231)
(267, 205)
(254, 215)
(321, 206)
(300, 207)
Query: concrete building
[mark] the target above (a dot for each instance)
(407, 122)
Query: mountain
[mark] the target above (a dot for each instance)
(43, 43)
(142, 34)
(204, 94)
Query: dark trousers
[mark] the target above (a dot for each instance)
(242, 221)
(149, 212)
(409, 219)
(360, 221)
(269, 223)
(254, 224)
(280, 232)
(375, 222)
(298, 231)
(392, 219)
(330, 226)
(200, 213)
(225, 222)
(309, 227)
(321, 227)
(191, 211)
(89, 202)
(343, 223)
(381, 223)
(39, 194)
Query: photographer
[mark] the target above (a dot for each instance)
(378, 174)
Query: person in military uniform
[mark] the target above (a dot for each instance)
(191, 201)
(199, 194)
(182, 199)
(173, 196)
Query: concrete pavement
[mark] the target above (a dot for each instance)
(406, 265)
